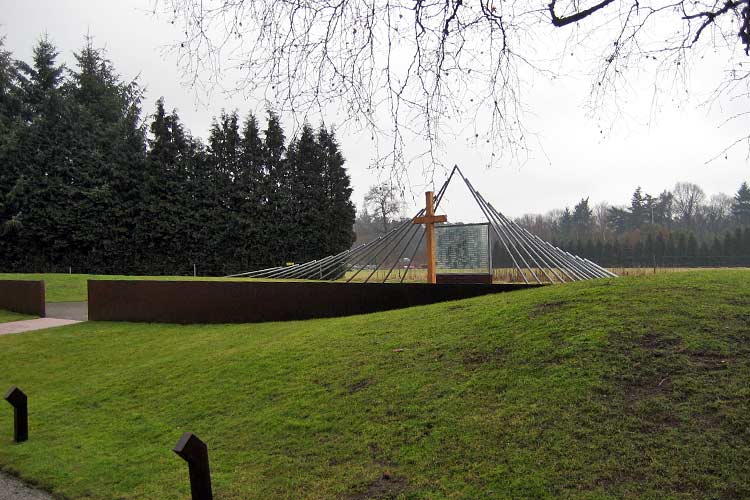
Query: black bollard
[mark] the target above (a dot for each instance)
(18, 399)
(195, 453)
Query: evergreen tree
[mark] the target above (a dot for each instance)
(277, 188)
(108, 155)
(637, 209)
(251, 197)
(566, 223)
(618, 219)
(692, 245)
(682, 245)
(82, 185)
(11, 105)
(581, 218)
(165, 207)
(729, 249)
(306, 198)
(741, 206)
(716, 247)
(224, 152)
(671, 246)
(42, 198)
(660, 246)
(737, 239)
(338, 233)
(11, 100)
(663, 209)
(649, 247)
(42, 79)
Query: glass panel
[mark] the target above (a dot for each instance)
(462, 248)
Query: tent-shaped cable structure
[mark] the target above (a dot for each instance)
(533, 259)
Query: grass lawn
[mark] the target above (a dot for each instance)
(6, 316)
(73, 287)
(625, 388)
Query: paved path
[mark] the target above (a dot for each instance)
(78, 311)
(15, 489)
(33, 324)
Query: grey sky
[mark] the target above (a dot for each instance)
(573, 155)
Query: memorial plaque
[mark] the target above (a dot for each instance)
(462, 248)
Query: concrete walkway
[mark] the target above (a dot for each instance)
(58, 314)
(15, 489)
(33, 324)
(78, 311)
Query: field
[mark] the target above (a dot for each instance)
(72, 287)
(6, 316)
(625, 388)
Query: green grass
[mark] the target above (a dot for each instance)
(626, 388)
(6, 316)
(73, 287)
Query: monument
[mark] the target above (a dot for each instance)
(530, 259)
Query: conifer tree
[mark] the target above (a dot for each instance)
(338, 233)
(11, 105)
(107, 154)
(637, 209)
(223, 155)
(280, 212)
(251, 186)
(741, 206)
(581, 217)
(729, 249)
(43, 194)
(692, 245)
(83, 186)
(307, 197)
(165, 203)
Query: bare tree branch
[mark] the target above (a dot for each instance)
(409, 70)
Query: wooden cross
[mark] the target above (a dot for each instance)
(429, 219)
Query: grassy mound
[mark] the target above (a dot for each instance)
(6, 316)
(628, 388)
(73, 287)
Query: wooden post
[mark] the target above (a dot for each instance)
(431, 274)
(429, 220)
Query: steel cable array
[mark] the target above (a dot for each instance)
(531, 256)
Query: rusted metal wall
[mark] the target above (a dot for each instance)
(26, 297)
(254, 302)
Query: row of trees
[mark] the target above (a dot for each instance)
(86, 182)
(675, 249)
(678, 227)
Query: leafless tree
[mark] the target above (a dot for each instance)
(718, 210)
(540, 225)
(384, 203)
(422, 65)
(688, 198)
(601, 219)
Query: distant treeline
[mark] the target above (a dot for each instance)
(677, 228)
(86, 183)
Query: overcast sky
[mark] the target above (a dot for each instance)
(573, 154)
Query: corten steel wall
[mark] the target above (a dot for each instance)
(254, 302)
(26, 297)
